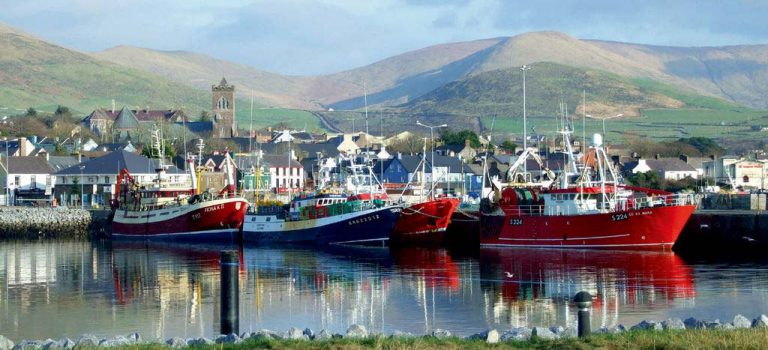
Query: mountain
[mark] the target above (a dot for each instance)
(738, 74)
(36, 73)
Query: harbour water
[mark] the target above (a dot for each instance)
(55, 289)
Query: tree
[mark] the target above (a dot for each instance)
(205, 116)
(508, 146)
(410, 145)
(62, 111)
(31, 112)
(450, 137)
(648, 179)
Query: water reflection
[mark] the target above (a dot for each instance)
(545, 280)
(57, 289)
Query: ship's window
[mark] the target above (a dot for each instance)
(268, 219)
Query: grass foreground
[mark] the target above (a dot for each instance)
(687, 339)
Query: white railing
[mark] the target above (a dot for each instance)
(622, 204)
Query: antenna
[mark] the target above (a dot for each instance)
(250, 132)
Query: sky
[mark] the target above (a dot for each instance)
(308, 37)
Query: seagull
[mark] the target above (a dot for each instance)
(509, 274)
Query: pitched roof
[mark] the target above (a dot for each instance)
(27, 165)
(113, 162)
(279, 161)
(669, 164)
(126, 119)
(62, 162)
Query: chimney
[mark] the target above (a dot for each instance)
(47, 156)
(79, 157)
(23, 151)
(657, 156)
(684, 158)
(399, 155)
(467, 143)
(113, 105)
(712, 156)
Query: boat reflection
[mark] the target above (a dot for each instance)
(544, 280)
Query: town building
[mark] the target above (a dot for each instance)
(27, 180)
(223, 98)
(669, 168)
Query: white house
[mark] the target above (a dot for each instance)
(284, 174)
(347, 145)
(739, 170)
(668, 168)
(27, 179)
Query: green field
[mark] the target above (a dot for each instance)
(266, 116)
(660, 124)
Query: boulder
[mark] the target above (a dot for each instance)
(673, 323)
(692, 323)
(492, 336)
(176, 343)
(521, 333)
(29, 345)
(200, 341)
(231, 338)
(67, 343)
(739, 321)
(569, 332)
(356, 331)
(401, 334)
(647, 325)
(266, 334)
(309, 333)
(716, 324)
(543, 333)
(322, 335)
(295, 334)
(87, 341)
(134, 337)
(50, 344)
(760, 322)
(5, 343)
(441, 333)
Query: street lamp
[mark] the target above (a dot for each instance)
(432, 150)
(603, 119)
(525, 127)
(7, 172)
(82, 187)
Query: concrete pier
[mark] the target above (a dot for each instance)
(31, 222)
(724, 232)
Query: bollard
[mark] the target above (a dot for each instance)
(230, 293)
(583, 301)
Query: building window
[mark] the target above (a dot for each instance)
(106, 179)
(33, 181)
(223, 103)
(16, 180)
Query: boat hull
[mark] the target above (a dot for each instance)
(372, 226)
(216, 220)
(655, 228)
(425, 222)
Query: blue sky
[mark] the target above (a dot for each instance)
(323, 36)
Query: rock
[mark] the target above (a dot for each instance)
(441, 333)
(50, 344)
(231, 338)
(295, 334)
(521, 333)
(401, 334)
(87, 341)
(569, 332)
(200, 341)
(673, 323)
(134, 337)
(67, 343)
(647, 325)
(716, 324)
(266, 334)
(309, 333)
(29, 345)
(542, 333)
(728, 326)
(692, 323)
(5, 343)
(356, 331)
(492, 336)
(176, 342)
(740, 321)
(760, 322)
(246, 335)
(556, 329)
(323, 335)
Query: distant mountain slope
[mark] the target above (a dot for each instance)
(499, 92)
(36, 73)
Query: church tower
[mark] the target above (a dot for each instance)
(224, 125)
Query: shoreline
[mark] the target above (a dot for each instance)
(673, 332)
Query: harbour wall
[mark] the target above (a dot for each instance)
(724, 232)
(32, 222)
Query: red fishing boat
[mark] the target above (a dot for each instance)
(596, 212)
(424, 222)
(164, 210)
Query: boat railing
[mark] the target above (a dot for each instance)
(621, 205)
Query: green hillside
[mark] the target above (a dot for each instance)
(34, 73)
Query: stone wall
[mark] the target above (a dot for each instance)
(29, 222)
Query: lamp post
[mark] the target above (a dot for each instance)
(525, 126)
(603, 120)
(82, 187)
(7, 172)
(432, 150)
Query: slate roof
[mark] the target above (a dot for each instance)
(669, 164)
(126, 119)
(62, 162)
(279, 161)
(113, 162)
(198, 127)
(27, 165)
(328, 149)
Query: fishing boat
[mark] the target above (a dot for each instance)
(328, 216)
(597, 211)
(425, 219)
(167, 210)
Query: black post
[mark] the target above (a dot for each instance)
(583, 301)
(230, 292)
